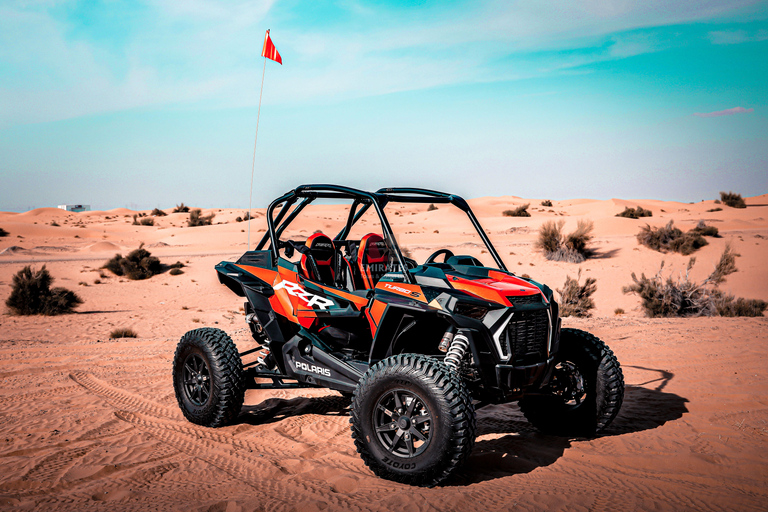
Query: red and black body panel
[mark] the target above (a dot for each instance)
(323, 332)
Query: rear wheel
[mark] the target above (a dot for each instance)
(208, 377)
(586, 390)
(412, 420)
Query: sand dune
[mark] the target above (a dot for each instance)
(90, 423)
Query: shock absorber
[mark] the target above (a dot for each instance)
(456, 351)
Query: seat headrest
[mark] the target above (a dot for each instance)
(373, 249)
(321, 247)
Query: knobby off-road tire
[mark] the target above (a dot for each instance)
(602, 389)
(412, 420)
(208, 377)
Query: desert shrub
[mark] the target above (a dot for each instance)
(732, 199)
(178, 264)
(3, 233)
(670, 239)
(146, 221)
(123, 332)
(139, 264)
(31, 294)
(238, 219)
(573, 248)
(197, 219)
(683, 297)
(704, 230)
(576, 299)
(181, 208)
(54, 224)
(728, 305)
(520, 211)
(718, 209)
(431, 208)
(546, 202)
(635, 213)
(246, 216)
(618, 311)
(157, 212)
(176, 271)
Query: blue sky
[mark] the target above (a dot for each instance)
(150, 103)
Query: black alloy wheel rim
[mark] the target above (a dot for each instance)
(197, 380)
(403, 423)
(569, 384)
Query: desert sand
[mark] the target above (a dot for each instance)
(91, 423)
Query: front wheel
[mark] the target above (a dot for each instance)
(586, 390)
(208, 377)
(412, 420)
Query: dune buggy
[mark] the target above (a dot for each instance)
(416, 346)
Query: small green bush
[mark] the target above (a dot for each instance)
(635, 213)
(31, 294)
(139, 264)
(732, 199)
(576, 299)
(546, 202)
(520, 211)
(196, 219)
(158, 213)
(123, 332)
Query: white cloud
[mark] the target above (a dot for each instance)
(728, 112)
(206, 50)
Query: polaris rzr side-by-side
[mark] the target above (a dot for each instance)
(417, 346)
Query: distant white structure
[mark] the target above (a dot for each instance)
(75, 207)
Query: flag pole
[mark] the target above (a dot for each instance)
(253, 164)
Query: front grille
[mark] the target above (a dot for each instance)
(526, 336)
(519, 300)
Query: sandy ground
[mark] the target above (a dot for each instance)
(92, 423)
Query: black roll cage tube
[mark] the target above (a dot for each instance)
(379, 199)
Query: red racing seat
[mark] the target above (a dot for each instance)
(372, 259)
(324, 253)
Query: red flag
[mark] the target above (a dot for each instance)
(269, 51)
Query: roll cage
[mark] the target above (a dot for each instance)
(362, 200)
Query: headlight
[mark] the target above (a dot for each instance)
(471, 310)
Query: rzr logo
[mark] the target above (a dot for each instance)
(297, 291)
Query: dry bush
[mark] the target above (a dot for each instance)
(31, 294)
(146, 221)
(196, 219)
(546, 202)
(431, 208)
(683, 297)
(576, 299)
(520, 211)
(54, 224)
(573, 248)
(176, 271)
(123, 332)
(718, 209)
(704, 230)
(635, 213)
(157, 212)
(139, 264)
(3, 233)
(618, 311)
(181, 208)
(670, 239)
(732, 199)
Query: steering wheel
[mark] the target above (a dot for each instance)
(448, 253)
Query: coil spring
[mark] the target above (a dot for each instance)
(456, 352)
